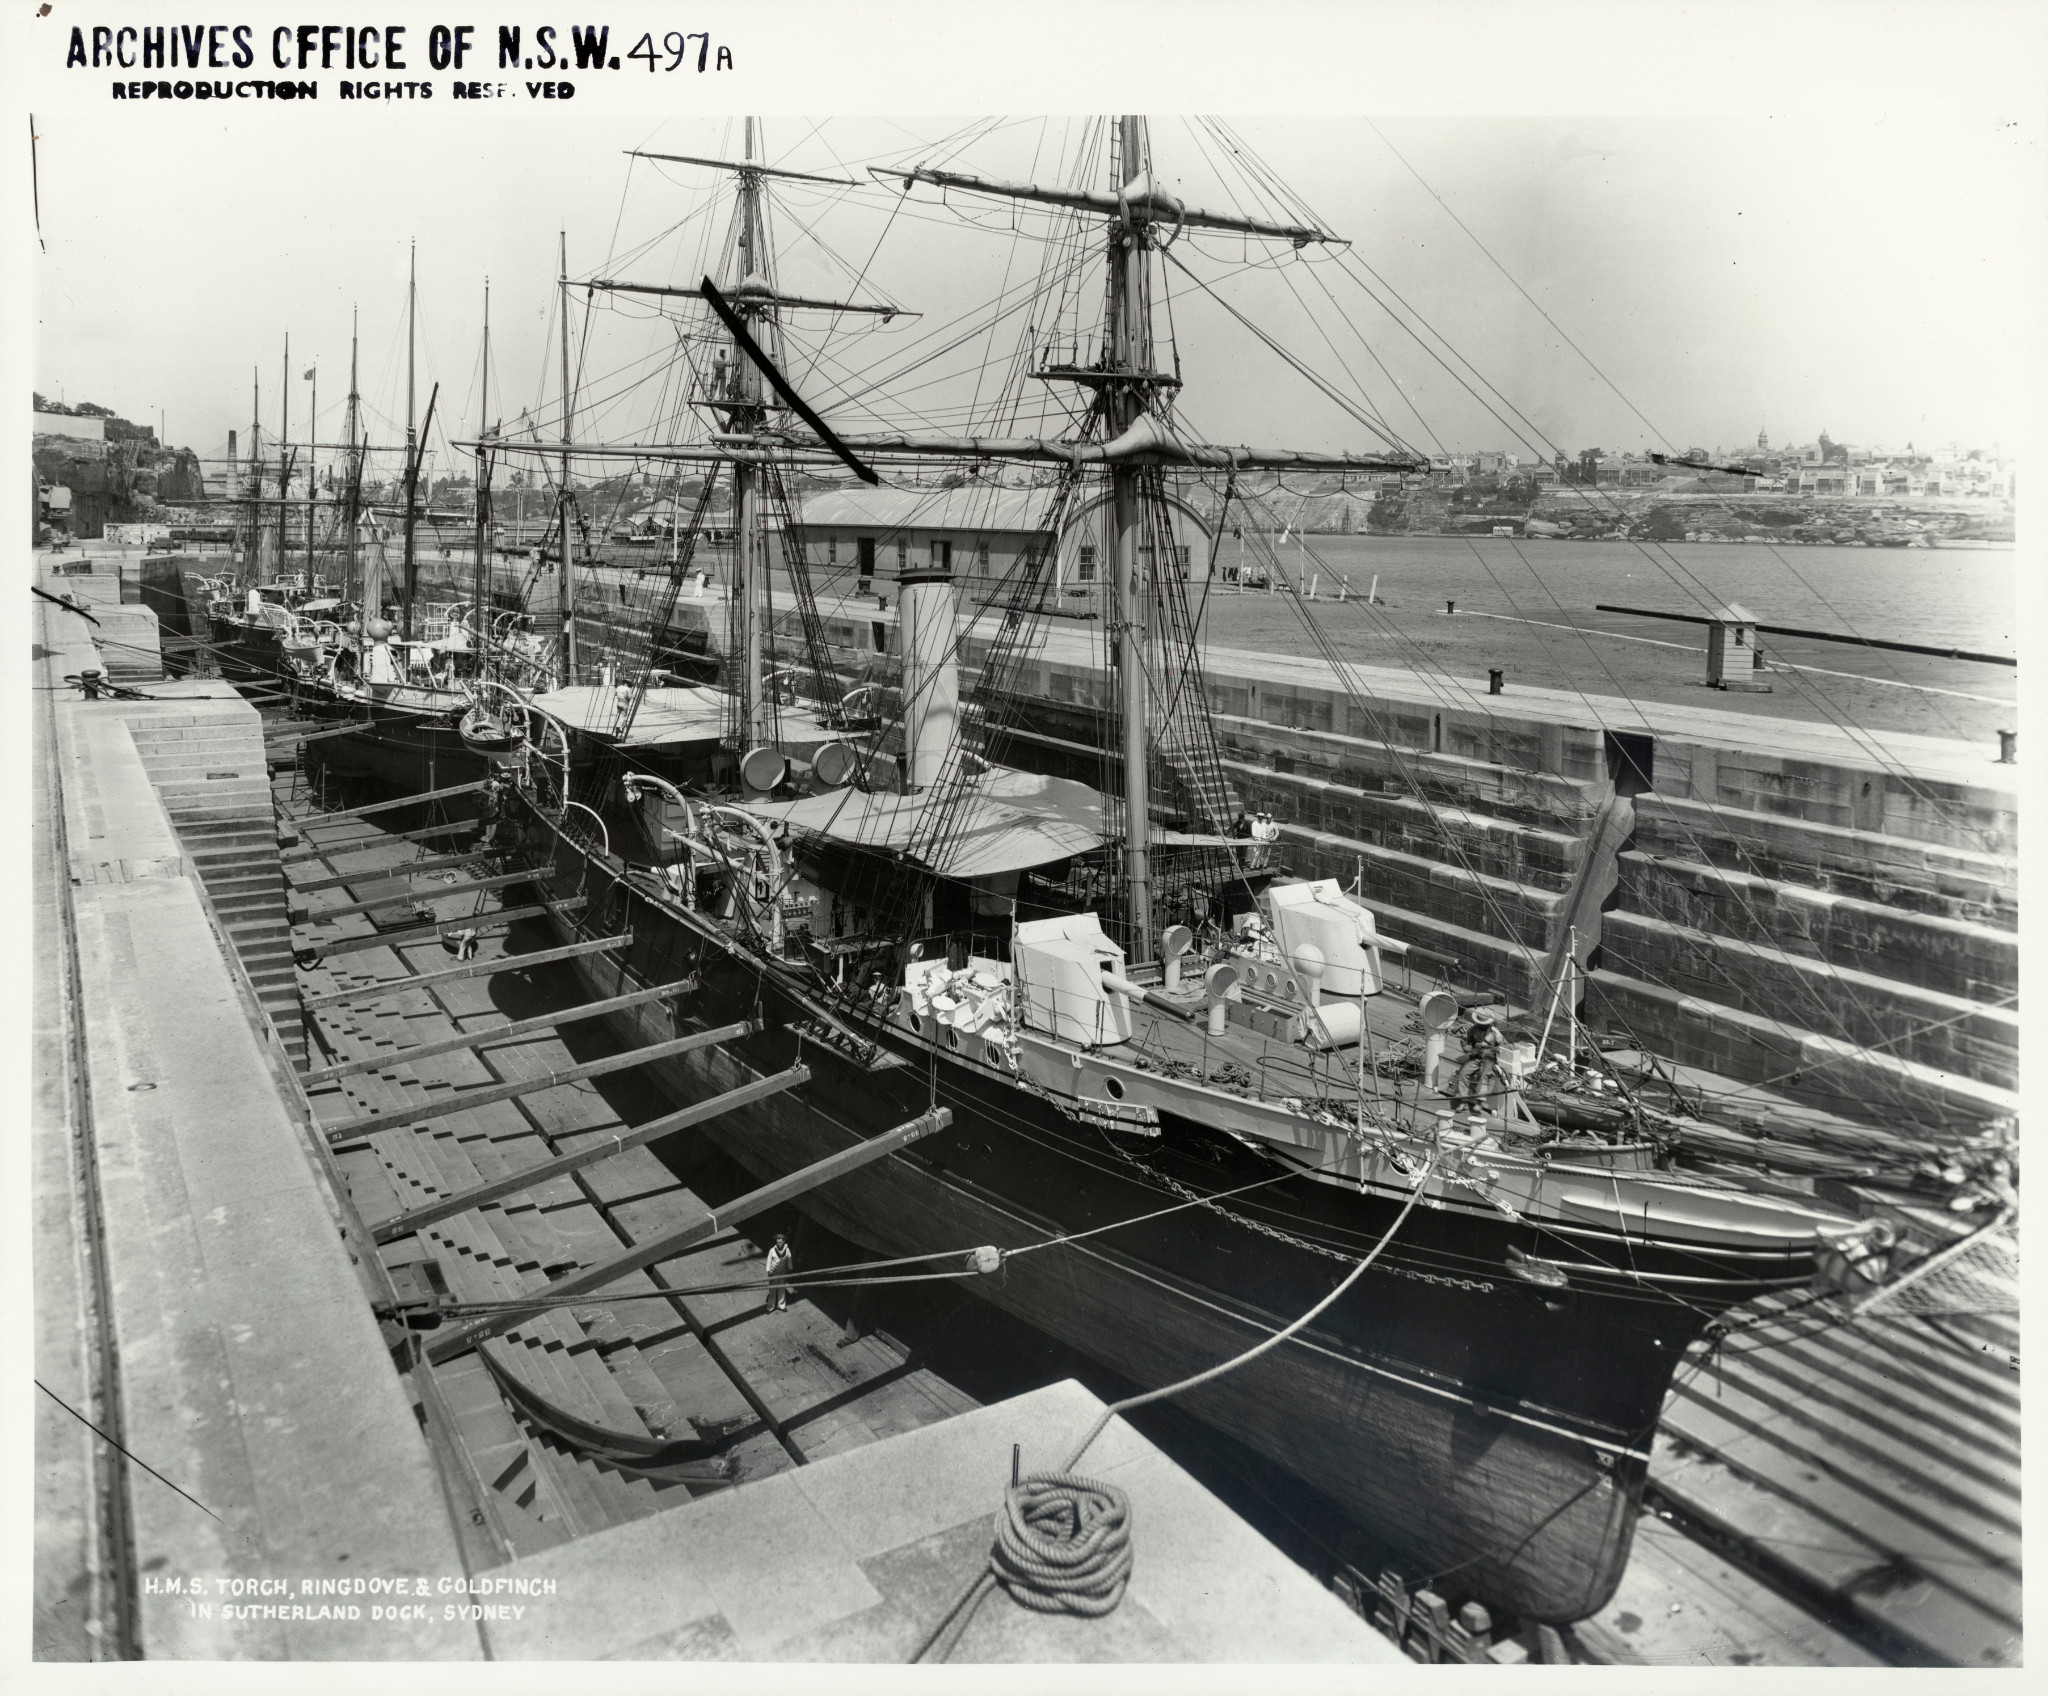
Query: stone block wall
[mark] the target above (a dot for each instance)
(1865, 794)
(1949, 956)
(1898, 872)
(1948, 1032)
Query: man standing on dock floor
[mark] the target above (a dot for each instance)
(780, 1264)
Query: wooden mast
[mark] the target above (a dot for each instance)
(748, 553)
(479, 608)
(251, 559)
(412, 458)
(1130, 354)
(568, 574)
(352, 493)
(312, 448)
(284, 453)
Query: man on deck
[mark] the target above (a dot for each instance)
(1480, 1078)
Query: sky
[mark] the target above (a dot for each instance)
(1627, 281)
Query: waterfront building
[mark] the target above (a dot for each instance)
(871, 537)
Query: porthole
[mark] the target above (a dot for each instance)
(917, 1024)
(1114, 1087)
(952, 1038)
(996, 1057)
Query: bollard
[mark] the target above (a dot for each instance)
(2008, 747)
(1450, 606)
(1494, 677)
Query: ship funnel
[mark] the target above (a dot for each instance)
(931, 674)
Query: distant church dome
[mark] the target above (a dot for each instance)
(1763, 441)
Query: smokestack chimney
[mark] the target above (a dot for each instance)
(931, 674)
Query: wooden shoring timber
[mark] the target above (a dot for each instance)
(667, 1246)
(354, 1133)
(378, 839)
(532, 1177)
(305, 916)
(301, 736)
(475, 969)
(308, 820)
(412, 868)
(633, 1454)
(431, 933)
(498, 1033)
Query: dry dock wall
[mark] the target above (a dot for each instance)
(1832, 912)
(251, 1372)
(127, 640)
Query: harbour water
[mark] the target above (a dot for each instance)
(1942, 597)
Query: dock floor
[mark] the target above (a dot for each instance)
(768, 1390)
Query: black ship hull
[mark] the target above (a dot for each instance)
(1477, 1425)
(248, 655)
(409, 750)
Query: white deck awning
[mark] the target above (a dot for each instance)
(1009, 821)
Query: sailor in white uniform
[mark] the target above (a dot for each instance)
(780, 1263)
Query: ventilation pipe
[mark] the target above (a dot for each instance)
(1176, 942)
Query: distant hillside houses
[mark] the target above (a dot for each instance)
(1820, 467)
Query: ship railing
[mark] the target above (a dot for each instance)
(1092, 1017)
(958, 946)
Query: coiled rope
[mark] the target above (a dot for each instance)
(1063, 1542)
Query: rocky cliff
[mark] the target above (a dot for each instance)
(128, 477)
